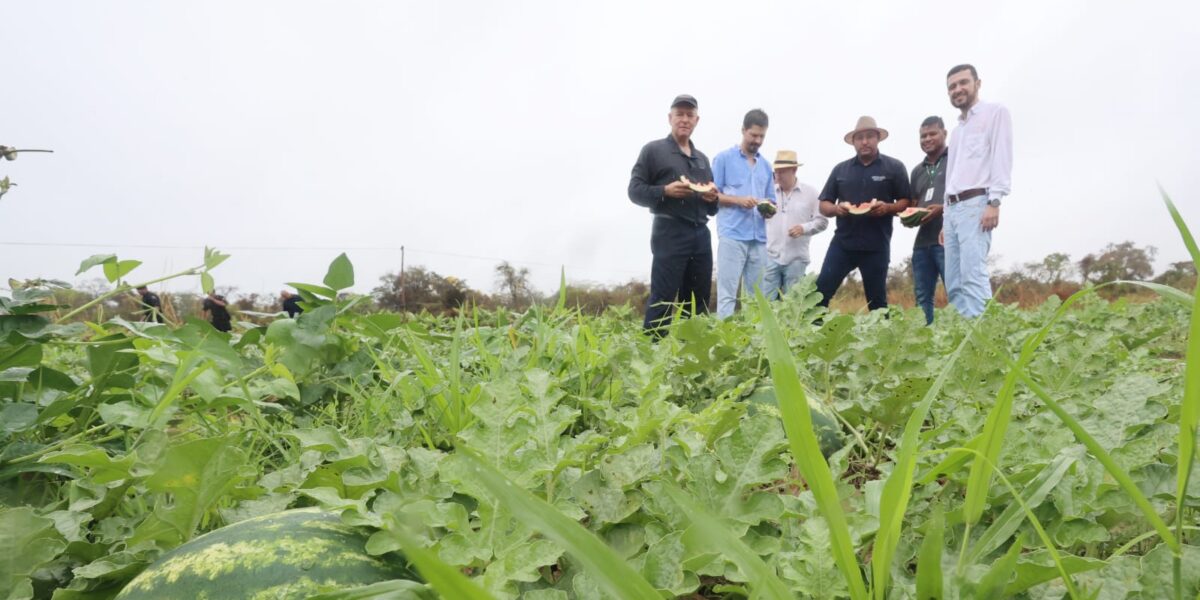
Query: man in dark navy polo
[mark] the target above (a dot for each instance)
(868, 182)
(151, 305)
(680, 241)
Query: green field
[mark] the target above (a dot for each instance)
(548, 454)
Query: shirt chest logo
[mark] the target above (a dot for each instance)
(878, 178)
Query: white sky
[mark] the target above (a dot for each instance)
(471, 132)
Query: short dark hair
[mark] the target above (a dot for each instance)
(963, 67)
(934, 120)
(755, 117)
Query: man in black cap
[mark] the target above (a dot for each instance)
(151, 305)
(215, 305)
(290, 303)
(665, 179)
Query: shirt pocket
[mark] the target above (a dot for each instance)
(975, 145)
(736, 179)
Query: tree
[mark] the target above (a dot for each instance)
(1118, 261)
(1181, 275)
(1053, 269)
(514, 286)
(422, 289)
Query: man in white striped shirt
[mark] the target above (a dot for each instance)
(978, 177)
(789, 232)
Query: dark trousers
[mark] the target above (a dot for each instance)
(681, 271)
(872, 265)
(928, 262)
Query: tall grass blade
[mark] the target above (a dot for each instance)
(1189, 413)
(1035, 492)
(1186, 233)
(793, 404)
(929, 558)
(445, 579)
(710, 530)
(1102, 455)
(898, 489)
(602, 563)
(992, 584)
(980, 479)
(1063, 571)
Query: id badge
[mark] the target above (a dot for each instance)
(928, 195)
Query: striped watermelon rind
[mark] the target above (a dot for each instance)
(291, 554)
(825, 423)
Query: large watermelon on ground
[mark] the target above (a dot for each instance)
(825, 423)
(291, 554)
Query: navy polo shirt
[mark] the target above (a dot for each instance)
(886, 180)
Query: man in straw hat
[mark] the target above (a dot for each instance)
(789, 232)
(876, 185)
(978, 177)
(744, 179)
(680, 242)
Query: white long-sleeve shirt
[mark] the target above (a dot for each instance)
(799, 206)
(981, 152)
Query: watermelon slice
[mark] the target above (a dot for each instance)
(698, 187)
(858, 210)
(911, 217)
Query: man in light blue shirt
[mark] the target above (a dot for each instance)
(744, 178)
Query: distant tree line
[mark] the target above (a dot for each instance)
(421, 289)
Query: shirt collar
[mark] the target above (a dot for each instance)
(940, 158)
(675, 147)
(738, 147)
(971, 111)
(795, 188)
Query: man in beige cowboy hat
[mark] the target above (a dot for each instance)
(876, 187)
(789, 232)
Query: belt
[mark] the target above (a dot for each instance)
(680, 220)
(965, 195)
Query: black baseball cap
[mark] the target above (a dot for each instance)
(685, 99)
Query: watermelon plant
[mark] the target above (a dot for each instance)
(1043, 453)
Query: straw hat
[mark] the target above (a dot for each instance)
(866, 124)
(785, 159)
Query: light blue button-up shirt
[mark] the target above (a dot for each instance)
(735, 177)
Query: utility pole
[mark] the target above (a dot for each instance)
(403, 300)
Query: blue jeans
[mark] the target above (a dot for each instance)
(737, 262)
(967, 245)
(778, 278)
(928, 263)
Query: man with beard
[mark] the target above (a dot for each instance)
(743, 179)
(662, 180)
(877, 187)
(978, 177)
(928, 191)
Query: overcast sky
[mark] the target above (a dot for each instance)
(283, 132)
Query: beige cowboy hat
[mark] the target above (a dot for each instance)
(785, 159)
(866, 124)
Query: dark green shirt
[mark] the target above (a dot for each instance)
(922, 176)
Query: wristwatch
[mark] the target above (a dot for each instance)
(994, 202)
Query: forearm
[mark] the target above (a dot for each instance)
(645, 194)
(816, 225)
(828, 208)
(729, 200)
